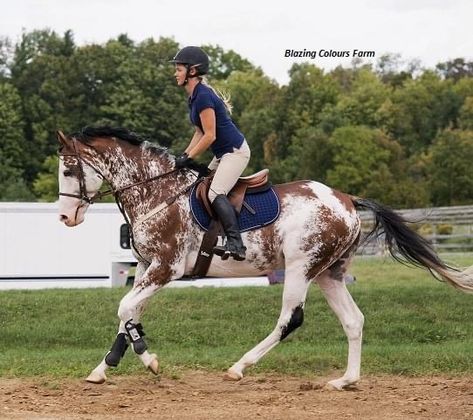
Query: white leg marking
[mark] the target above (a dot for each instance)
(97, 376)
(351, 318)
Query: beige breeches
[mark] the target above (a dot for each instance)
(228, 169)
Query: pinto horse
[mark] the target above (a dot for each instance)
(314, 240)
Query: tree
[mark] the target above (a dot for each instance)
(302, 102)
(46, 185)
(310, 156)
(361, 105)
(450, 169)
(368, 163)
(224, 63)
(144, 96)
(455, 69)
(253, 96)
(388, 67)
(6, 52)
(13, 148)
(45, 81)
(358, 156)
(419, 109)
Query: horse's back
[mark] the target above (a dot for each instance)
(315, 195)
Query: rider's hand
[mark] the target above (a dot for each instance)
(183, 161)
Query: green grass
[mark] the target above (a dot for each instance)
(414, 325)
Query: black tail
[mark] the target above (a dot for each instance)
(407, 246)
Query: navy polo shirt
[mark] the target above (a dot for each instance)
(227, 134)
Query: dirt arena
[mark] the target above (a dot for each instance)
(203, 395)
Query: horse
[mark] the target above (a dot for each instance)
(313, 239)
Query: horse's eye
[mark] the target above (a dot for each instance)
(67, 172)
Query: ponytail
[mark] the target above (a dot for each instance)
(225, 97)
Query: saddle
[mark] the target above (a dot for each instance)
(255, 183)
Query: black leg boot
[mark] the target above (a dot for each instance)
(226, 213)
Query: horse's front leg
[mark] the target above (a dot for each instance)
(147, 282)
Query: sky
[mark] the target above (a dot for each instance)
(261, 31)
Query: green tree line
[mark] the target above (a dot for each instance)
(400, 134)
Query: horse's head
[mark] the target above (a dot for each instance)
(78, 180)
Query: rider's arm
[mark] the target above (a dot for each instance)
(207, 117)
(195, 139)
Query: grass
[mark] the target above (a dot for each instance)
(414, 325)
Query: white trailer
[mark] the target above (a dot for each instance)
(37, 251)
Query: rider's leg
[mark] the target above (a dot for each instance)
(229, 169)
(227, 216)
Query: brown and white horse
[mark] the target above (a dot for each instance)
(313, 239)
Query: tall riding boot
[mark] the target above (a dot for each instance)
(227, 216)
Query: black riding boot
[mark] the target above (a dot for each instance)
(227, 216)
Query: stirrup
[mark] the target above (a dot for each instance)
(238, 256)
(225, 253)
(222, 252)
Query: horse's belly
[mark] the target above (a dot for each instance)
(228, 268)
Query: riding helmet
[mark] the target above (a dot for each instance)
(193, 57)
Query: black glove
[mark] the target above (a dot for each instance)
(183, 161)
(203, 170)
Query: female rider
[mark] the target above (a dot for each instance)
(209, 113)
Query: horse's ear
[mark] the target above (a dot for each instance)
(61, 138)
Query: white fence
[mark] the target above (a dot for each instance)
(448, 229)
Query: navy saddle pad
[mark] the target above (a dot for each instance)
(265, 204)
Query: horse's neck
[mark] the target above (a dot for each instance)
(127, 167)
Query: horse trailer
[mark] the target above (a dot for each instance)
(37, 251)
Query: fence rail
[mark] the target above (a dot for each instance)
(448, 229)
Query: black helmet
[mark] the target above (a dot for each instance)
(193, 57)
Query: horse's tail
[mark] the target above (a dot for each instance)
(407, 246)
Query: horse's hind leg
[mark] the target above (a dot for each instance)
(339, 299)
(290, 318)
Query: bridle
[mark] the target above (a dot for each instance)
(83, 193)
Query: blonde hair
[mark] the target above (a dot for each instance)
(224, 96)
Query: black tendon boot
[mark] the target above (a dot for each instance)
(227, 216)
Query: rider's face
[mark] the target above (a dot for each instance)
(180, 74)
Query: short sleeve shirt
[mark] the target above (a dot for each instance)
(228, 137)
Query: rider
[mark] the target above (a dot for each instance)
(209, 113)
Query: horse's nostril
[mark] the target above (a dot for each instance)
(63, 218)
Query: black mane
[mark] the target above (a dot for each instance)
(87, 133)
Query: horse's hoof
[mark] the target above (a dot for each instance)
(332, 387)
(96, 378)
(154, 365)
(231, 375)
(340, 385)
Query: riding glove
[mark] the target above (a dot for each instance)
(183, 161)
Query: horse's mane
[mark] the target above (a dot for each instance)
(88, 133)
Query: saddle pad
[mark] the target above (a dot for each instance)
(265, 204)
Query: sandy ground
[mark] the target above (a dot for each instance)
(203, 395)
